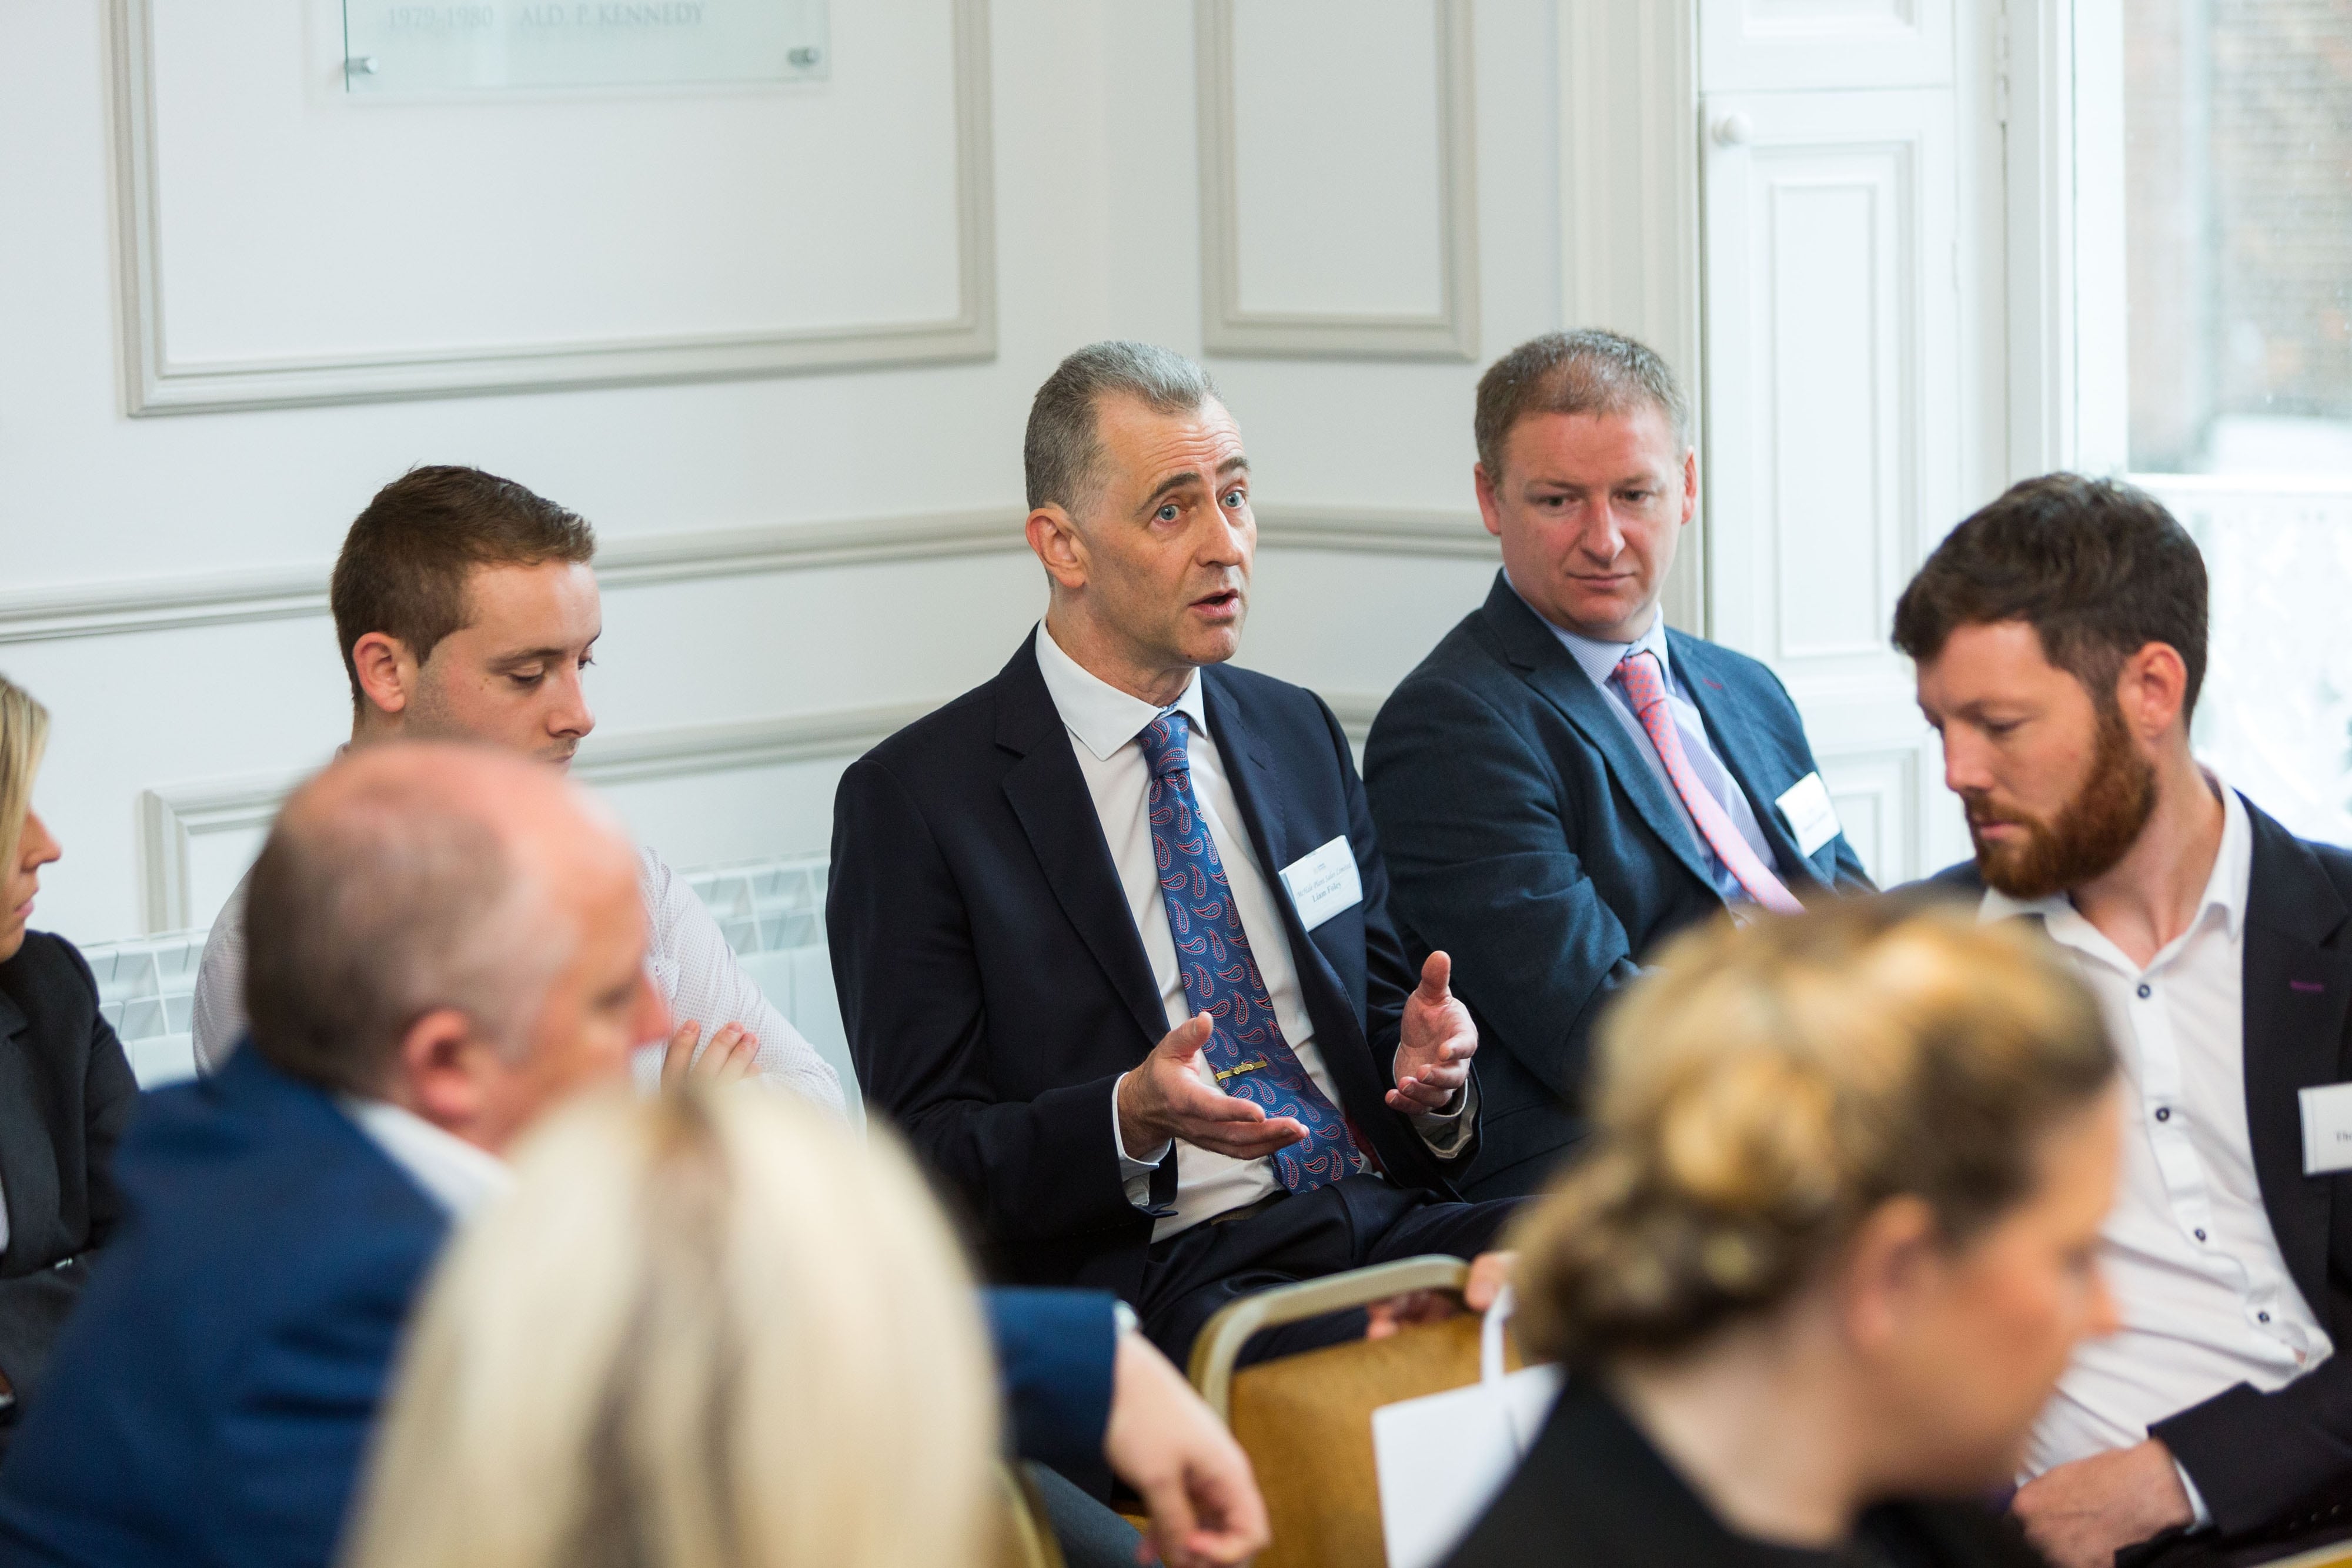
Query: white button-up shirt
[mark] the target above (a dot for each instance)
(1105, 725)
(2199, 1280)
(450, 1171)
(1599, 661)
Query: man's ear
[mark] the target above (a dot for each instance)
(441, 1071)
(2151, 688)
(387, 671)
(1058, 544)
(1884, 1268)
(1690, 483)
(1490, 506)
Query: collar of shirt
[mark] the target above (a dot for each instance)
(2225, 893)
(455, 1174)
(1600, 660)
(1103, 717)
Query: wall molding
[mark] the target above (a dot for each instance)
(277, 594)
(173, 818)
(1228, 329)
(157, 384)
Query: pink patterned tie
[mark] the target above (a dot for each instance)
(1646, 683)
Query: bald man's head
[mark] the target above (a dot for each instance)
(418, 890)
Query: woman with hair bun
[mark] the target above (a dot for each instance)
(1830, 1247)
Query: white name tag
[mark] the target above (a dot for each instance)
(2326, 1128)
(1324, 882)
(1811, 816)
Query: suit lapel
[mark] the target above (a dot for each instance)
(28, 1172)
(1745, 754)
(1048, 795)
(1532, 648)
(2297, 991)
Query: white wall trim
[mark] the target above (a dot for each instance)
(159, 384)
(172, 817)
(277, 594)
(1629, 208)
(1228, 329)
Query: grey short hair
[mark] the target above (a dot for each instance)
(362, 919)
(1585, 372)
(1062, 456)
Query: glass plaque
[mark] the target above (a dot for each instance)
(398, 48)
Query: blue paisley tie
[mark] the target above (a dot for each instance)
(1247, 1051)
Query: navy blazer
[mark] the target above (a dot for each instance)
(2282, 1462)
(65, 1090)
(1529, 837)
(994, 986)
(210, 1404)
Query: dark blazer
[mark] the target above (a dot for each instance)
(1527, 836)
(994, 986)
(66, 1090)
(2278, 1461)
(1593, 1493)
(211, 1402)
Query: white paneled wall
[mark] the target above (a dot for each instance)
(1842, 434)
(777, 343)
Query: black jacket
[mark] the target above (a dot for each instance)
(2283, 1460)
(66, 1090)
(1593, 1493)
(1529, 837)
(994, 987)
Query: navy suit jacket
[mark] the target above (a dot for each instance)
(995, 987)
(2283, 1462)
(211, 1402)
(1529, 838)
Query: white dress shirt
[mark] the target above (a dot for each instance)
(1599, 661)
(450, 1171)
(1105, 723)
(2199, 1280)
(685, 953)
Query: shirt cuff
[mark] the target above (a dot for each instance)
(1134, 1175)
(2204, 1520)
(1446, 1132)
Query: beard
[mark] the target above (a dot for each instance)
(2089, 835)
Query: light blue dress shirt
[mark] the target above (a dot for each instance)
(1599, 661)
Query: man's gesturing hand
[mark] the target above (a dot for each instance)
(1432, 1057)
(2081, 1514)
(1193, 1477)
(1164, 1098)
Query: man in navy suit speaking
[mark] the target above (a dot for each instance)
(1111, 931)
(1564, 783)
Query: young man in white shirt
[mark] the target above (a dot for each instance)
(466, 609)
(2060, 639)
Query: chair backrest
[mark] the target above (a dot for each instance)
(146, 989)
(1023, 1537)
(1306, 1420)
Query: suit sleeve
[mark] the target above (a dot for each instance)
(1469, 812)
(1055, 1354)
(912, 1001)
(34, 1306)
(2256, 1457)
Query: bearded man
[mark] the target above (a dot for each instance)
(2059, 636)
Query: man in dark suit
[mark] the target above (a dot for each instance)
(1111, 930)
(1564, 783)
(66, 1090)
(2060, 639)
(445, 941)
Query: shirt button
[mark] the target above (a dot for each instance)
(2261, 1317)
(2164, 1113)
(2146, 992)
(2200, 1236)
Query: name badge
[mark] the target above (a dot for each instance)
(1324, 882)
(2326, 1128)
(1811, 816)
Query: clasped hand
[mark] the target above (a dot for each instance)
(1164, 1098)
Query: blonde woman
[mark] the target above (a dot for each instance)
(1831, 1247)
(707, 1329)
(65, 1087)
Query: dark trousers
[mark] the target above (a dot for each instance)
(1346, 1225)
(2175, 1549)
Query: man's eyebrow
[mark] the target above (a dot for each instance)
(1173, 482)
(529, 656)
(1236, 462)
